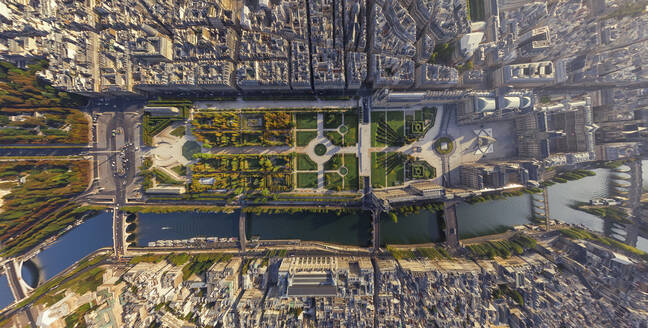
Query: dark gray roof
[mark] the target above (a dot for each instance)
(309, 281)
(311, 290)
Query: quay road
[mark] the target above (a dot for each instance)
(298, 248)
(29, 151)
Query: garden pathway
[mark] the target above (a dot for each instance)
(364, 154)
(331, 150)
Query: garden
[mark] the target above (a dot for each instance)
(419, 170)
(242, 173)
(43, 125)
(341, 128)
(306, 172)
(387, 128)
(397, 128)
(307, 180)
(237, 129)
(152, 125)
(417, 123)
(38, 205)
(387, 169)
(22, 88)
(341, 172)
(33, 112)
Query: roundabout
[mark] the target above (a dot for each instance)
(320, 149)
(444, 145)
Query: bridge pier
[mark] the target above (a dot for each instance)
(451, 227)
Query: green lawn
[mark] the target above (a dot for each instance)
(377, 172)
(421, 170)
(396, 120)
(332, 120)
(335, 137)
(304, 163)
(334, 163)
(351, 122)
(180, 170)
(306, 120)
(477, 9)
(189, 149)
(304, 137)
(351, 179)
(306, 179)
(332, 181)
(375, 117)
(396, 176)
(179, 131)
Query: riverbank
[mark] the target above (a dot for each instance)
(611, 213)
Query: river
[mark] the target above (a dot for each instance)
(489, 217)
(351, 229)
(5, 293)
(93, 234)
(354, 229)
(422, 227)
(344, 229)
(184, 225)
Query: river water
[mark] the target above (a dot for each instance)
(5, 293)
(91, 235)
(352, 229)
(184, 225)
(422, 227)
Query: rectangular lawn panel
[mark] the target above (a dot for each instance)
(396, 120)
(306, 120)
(377, 171)
(375, 118)
(304, 163)
(306, 179)
(332, 120)
(335, 137)
(351, 178)
(396, 176)
(477, 10)
(351, 122)
(334, 163)
(304, 137)
(332, 181)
